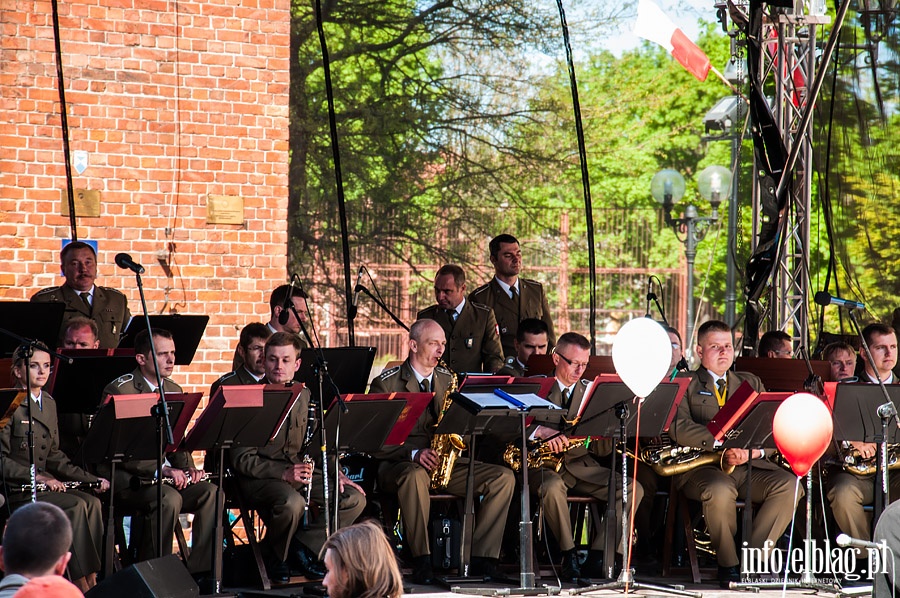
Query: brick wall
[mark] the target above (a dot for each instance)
(172, 101)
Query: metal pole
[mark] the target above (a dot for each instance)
(690, 252)
(731, 277)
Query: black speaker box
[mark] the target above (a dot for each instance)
(164, 577)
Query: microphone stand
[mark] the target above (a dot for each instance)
(160, 411)
(332, 513)
(383, 307)
(886, 412)
(29, 351)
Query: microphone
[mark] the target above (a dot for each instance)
(886, 410)
(843, 540)
(650, 295)
(285, 314)
(356, 289)
(824, 299)
(124, 261)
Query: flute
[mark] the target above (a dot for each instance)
(42, 486)
(137, 482)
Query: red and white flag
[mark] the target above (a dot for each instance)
(655, 25)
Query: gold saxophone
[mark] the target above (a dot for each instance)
(853, 463)
(448, 446)
(539, 455)
(671, 459)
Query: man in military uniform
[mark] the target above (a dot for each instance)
(406, 469)
(847, 492)
(52, 466)
(581, 471)
(273, 477)
(473, 340)
(251, 353)
(108, 307)
(188, 492)
(79, 333)
(531, 339)
(512, 298)
(772, 487)
(281, 319)
(775, 344)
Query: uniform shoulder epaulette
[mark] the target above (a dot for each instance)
(443, 370)
(481, 306)
(585, 382)
(422, 315)
(113, 291)
(510, 360)
(225, 377)
(480, 289)
(388, 373)
(528, 281)
(123, 379)
(47, 291)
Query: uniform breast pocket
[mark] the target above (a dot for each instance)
(19, 434)
(107, 322)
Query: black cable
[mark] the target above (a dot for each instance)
(585, 182)
(64, 123)
(338, 177)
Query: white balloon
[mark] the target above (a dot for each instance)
(642, 352)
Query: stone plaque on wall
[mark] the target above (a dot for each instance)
(224, 209)
(87, 203)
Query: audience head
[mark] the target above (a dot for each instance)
(427, 342)
(252, 347)
(882, 341)
(570, 357)
(841, 357)
(36, 541)
(39, 366)
(276, 306)
(532, 338)
(164, 343)
(715, 346)
(49, 586)
(361, 564)
(450, 286)
(80, 333)
(282, 355)
(775, 344)
(79, 265)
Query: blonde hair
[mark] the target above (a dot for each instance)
(364, 560)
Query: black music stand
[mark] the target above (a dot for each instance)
(782, 375)
(237, 416)
(606, 413)
(350, 365)
(415, 404)
(124, 429)
(78, 385)
(504, 415)
(365, 425)
(37, 321)
(187, 331)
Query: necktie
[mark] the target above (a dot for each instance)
(514, 294)
(722, 393)
(425, 385)
(565, 398)
(86, 299)
(453, 315)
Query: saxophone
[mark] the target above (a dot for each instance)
(539, 455)
(671, 459)
(448, 446)
(853, 463)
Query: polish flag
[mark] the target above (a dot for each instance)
(655, 25)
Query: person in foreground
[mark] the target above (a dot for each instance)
(361, 564)
(35, 544)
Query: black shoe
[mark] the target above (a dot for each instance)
(593, 565)
(571, 569)
(422, 573)
(485, 567)
(727, 575)
(303, 562)
(278, 571)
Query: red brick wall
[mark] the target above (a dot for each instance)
(173, 101)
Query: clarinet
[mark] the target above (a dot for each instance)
(136, 482)
(307, 442)
(42, 487)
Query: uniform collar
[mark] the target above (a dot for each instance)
(506, 287)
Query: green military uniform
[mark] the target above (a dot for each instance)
(473, 340)
(580, 472)
(772, 487)
(411, 482)
(237, 361)
(82, 508)
(109, 309)
(198, 498)
(512, 367)
(282, 505)
(530, 302)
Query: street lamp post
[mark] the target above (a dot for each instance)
(667, 188)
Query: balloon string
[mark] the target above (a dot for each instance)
(790, 541)
(637, 441)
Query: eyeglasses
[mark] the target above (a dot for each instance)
(785, 352)
(574, 364)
